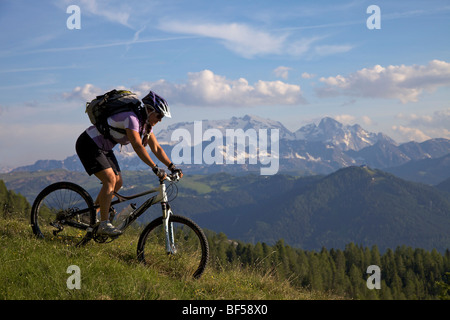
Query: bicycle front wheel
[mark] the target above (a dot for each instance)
(63, 211)
(192, 250)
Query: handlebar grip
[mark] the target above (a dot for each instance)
(173, 177)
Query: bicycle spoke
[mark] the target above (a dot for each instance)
(189, 258)
(54, 213)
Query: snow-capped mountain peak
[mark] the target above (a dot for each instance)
(329, 131)
(244, 123)
(332, 132)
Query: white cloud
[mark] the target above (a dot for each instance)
(248, 41)
(327, 50)
(240, 38)
(435, 125)
(349, 119)
(404, 83)
(300, 47)
(85, 93)
(205, 88)
(345, 118)
(282, 72)
(366, 120)
(117, 12)
(440, 118)
(410, 134)
(119, 43)
(306, 75)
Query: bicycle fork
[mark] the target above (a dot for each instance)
(168, 228)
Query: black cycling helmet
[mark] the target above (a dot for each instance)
(155, 102)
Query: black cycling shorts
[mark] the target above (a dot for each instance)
(93, 158)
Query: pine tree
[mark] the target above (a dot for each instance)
(385, 291)
(12, 204)
(444, 287)
(303, 270)
(411, 286)
(357, 282)
(327, 268)
(315, 276)
(341, 283)
(397, 288)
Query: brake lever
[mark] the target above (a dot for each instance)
(172, 177)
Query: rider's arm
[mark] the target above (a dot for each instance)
(140, 150)
(161, 154)
(158, 151)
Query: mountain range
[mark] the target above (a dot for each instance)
(313, 149)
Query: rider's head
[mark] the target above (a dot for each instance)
(154, 103)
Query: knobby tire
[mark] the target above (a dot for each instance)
(193, 250)
(52, 207)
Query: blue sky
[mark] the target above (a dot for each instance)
(291, 61)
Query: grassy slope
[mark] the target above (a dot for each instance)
(37, 269)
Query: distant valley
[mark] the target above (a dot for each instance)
(354, 204)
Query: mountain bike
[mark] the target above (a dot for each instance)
(66, 211)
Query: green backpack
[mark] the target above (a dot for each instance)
(110, 103)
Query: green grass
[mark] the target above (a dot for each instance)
(36, 269)
(198, 186)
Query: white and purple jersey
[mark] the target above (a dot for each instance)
(123, 120)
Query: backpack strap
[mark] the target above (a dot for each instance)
(120, 130)
(139, 116)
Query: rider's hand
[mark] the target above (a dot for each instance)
(174, 170)
(160, 173)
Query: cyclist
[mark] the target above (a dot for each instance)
(96, 154)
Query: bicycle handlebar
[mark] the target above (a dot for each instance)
(172, 177)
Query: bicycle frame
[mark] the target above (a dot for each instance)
(166, 211)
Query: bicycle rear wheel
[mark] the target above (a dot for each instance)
(63, 211)
(192, 250)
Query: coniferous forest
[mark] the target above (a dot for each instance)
(406, 273)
